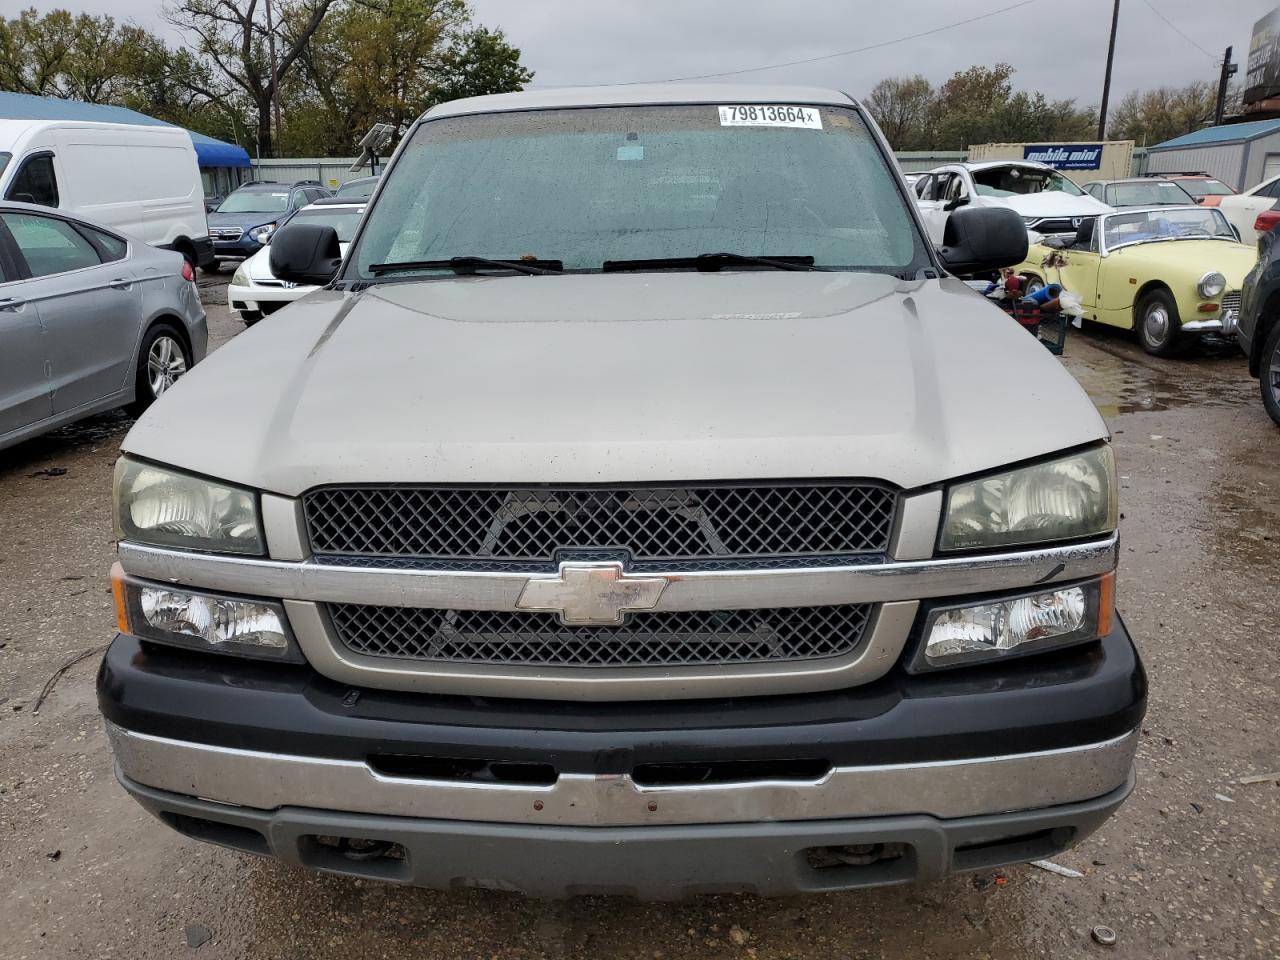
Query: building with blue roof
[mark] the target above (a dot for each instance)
(223, 166)
(1241, 155)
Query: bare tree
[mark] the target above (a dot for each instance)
(232, 36)
(1153, 116)
(902, 108)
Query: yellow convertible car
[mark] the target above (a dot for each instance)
(1162, 272)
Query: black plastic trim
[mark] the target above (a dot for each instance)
(1059, 699)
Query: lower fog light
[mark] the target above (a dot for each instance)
(241, 626)
(990, 631)
(213, 620)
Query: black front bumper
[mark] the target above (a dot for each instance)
(1047, 702)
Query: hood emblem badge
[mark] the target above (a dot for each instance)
(592, 594)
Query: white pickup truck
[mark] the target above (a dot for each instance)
(640, 507)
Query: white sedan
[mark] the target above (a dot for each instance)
(254, 290)
(1243, 209)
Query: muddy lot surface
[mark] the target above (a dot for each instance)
(1188, 869)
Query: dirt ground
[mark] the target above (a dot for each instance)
(1187, 869)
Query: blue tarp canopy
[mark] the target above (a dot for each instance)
(23, 106)
(217, 153)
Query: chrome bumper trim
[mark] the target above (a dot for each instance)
(707, 590)
(947, 789)
(1202, 326)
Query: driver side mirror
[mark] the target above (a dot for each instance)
(305, 253)
(955, 203)
(982, 239)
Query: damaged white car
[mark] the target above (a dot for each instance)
(1048, 202)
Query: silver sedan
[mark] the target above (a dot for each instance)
(90, 320)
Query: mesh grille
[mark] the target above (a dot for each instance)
(535, 524)
(644, 640)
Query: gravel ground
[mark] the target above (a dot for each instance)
(1187, 869)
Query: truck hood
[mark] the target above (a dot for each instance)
(1054, 203)
(602, 378)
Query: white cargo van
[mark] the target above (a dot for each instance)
(142, 180)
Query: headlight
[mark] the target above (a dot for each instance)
(1211, 285)
(260, 234)
(1063, 499)
(202, 621)
(1015, 626)
(162, 507)
(241, 277)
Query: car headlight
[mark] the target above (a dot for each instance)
(1211, 285)
(1014, 626)
(241, 277)
(165, 508)
(260, 234)
(196, 620)
(1062, 499)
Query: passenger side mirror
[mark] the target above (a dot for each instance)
(955, 203)
(982, 239)
(305, 253)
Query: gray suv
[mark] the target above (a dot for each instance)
(641, 506)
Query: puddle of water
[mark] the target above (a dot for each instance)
(1118, 384)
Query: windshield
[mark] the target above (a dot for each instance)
(1149, 193)
(1205, 188)
(1013, 180)
(1195, 223)
(342, 220)
(586, 186)
(255, 201)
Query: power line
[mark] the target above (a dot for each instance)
(842, 53)
(1169, 23)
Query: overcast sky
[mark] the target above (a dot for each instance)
(1058, 48)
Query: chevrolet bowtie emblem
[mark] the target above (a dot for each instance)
(591, 593)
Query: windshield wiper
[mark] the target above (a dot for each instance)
(469, 265)
(710, 262)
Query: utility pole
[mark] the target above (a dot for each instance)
(275, 75)
(1228, 71)
(1106, 82)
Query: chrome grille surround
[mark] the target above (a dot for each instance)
(891, 587)
(537, 525)
(687, 638)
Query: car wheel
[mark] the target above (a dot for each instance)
(1031, 284)
(1269, 375)
(1158, 323)
(162, 359)
(250, 317)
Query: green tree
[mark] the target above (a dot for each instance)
(231, 38)
(903, 107)
(477, 62)
(72, 57)
(968, 105)
(386, 61)
(95, 60)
